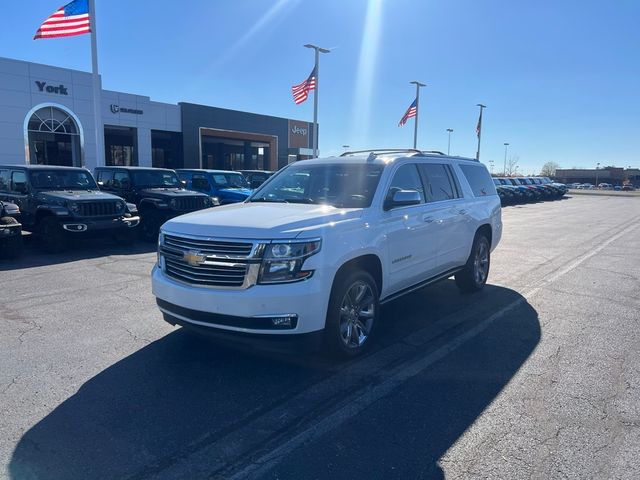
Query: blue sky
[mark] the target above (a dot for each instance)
(561, 79)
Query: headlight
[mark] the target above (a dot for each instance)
(160, 244)
(215, 201)
(283, 261)
(174, 203)
(73, 207)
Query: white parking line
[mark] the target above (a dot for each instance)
(406, 372)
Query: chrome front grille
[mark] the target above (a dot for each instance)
(97, 209)
(210, 262)
(208, 275)
(213, 247)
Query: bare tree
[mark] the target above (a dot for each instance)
(549, 169)
(512, 164)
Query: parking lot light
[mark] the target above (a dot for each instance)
(506, 145)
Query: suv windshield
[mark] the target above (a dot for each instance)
(341, 186)
(229, 180)
(62, 180)
(155, 178)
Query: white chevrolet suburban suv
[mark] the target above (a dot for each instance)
(311, 255)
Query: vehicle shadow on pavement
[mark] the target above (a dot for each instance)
(180, 394)
(76, 249)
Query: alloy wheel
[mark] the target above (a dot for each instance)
(481, 263)
(357, 313)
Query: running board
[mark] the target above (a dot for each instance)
(420, 285)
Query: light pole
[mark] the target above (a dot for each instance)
(346, 147)
(318, 51)
(479, 129)
(506, 145)
(450, 130)
(597, 167)
(415, 125)
(491, 165)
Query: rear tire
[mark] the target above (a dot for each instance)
(473, 276)
(354, 309)
(52, 235)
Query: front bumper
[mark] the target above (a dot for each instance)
(200, 306)
(92, 225)
(10, 231)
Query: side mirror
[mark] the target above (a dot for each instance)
(403, 198)
(184, 183)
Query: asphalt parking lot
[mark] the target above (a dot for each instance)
(537, 376)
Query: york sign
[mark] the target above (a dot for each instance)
(298, 131)
(59, 89)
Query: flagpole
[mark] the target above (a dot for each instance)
(318, 51)
(482, 107)
(97, 91)
(415, 125)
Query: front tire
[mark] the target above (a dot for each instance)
(150, 225)
(354, 309)
(125, 236)
(473, 276)
(12, 247)
(52, 236)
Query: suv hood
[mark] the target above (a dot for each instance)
(162, 193)
(76, 195)
(235, 192)
(260, 220)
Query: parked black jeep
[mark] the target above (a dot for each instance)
(10, 230)
(59, 202)
(158, 193)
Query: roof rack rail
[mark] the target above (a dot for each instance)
(384, 150)
(437, 152)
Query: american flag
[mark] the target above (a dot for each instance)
(72, 19)
(411, 112)
(301, 91)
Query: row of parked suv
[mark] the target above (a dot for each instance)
(124, 202)
(515, 190)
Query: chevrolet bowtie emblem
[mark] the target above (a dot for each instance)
(194, 258)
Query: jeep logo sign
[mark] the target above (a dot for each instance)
(299, 134)
(59, 89)
(298, 131)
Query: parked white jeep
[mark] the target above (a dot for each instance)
(313, 253)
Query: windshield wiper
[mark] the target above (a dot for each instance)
(269, 200)
(300, 200)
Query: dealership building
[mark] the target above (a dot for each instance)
(47, 117)
(611, 175)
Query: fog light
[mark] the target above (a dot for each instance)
(289, 321)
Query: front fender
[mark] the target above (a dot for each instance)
(153, 203)
(56, 210)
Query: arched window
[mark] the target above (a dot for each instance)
(54, 120)
(53, 136)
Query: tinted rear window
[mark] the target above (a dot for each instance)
(479, 179)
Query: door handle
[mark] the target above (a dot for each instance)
(427, 218)
(462, 211)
